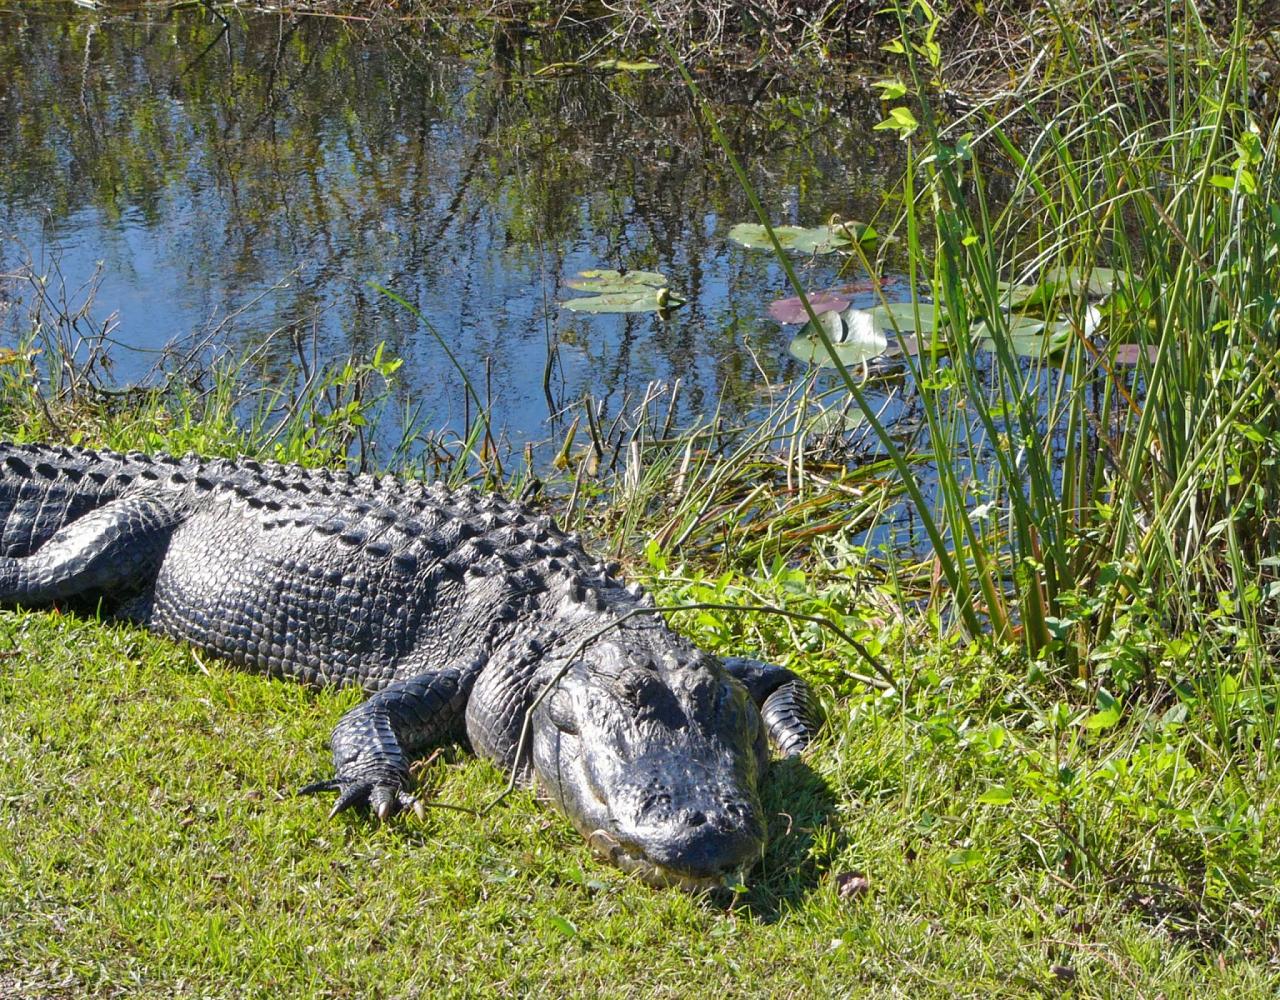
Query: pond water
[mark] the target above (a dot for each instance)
(250, 174)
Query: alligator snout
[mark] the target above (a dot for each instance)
(695, 850)
(698, 845)
(693, 832)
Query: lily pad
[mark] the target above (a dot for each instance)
(910, 344)
(792, 310)
(901, 317)
(641, 300)
(1058, 282)
(1096, 282)
(1026, 336)
(1015, 296)
(616, 292)
(816, 239)
(835, 420)
(854, 334)
(607, 282)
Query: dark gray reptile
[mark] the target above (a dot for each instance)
(456, 612)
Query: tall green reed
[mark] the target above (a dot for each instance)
(1111, 491)
(1156, 490)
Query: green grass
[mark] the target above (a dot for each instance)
(1071, 785)
(150, 843)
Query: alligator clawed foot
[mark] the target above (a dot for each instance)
(384, 801)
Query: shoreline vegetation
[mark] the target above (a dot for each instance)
(1052, 758)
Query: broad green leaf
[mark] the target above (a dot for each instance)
(1096, 282)
(1102, 720)
(901, 316)
(565, 927)
(890, 90)
(647, 300)
(900, 120)
(1025, 335)
(606, 282)
(996, 795)
(854, 334)
(1014, 296)
(963, 860)
(815, 239)
(1108, 714)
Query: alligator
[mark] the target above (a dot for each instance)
(464, 617)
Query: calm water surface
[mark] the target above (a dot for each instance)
(256, 175)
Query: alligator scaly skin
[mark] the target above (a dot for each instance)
(458, 613)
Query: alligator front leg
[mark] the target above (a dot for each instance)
(374, 743)
(786, 704)
(114, 551)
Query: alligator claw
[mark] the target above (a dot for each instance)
(384, 801)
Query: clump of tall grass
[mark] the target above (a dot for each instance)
(1113, 495)
(1078, 498)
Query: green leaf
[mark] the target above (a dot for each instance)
(900, 120)
(619, 302)
(1025, 335)
(996, 795)
(966, 859)
(1102, 720)
(606, 281)
(1096, 282)
(815, 239)
(890, 90)
(616, 292)
(565, 927)
(1108, 716)
(853, 333)
(901, 317)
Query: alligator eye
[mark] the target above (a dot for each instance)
(560, 711)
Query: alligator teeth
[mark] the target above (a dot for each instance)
(606, 846)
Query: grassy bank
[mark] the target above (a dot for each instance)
(1050, 759)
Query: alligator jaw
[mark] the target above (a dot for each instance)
(609, 848)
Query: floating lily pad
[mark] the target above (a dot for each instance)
(816, 239)
(1015, 296)
(910, 344)
(607, 282)
(854, 334)
(835, 420)
(792, 310)
(646, 300)
(1096, 282)
(1026, 336)
(616, 292)
(1057, 282)
(901, 317)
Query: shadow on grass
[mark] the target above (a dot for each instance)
(800, 803)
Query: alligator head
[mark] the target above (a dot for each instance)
(656, 757)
